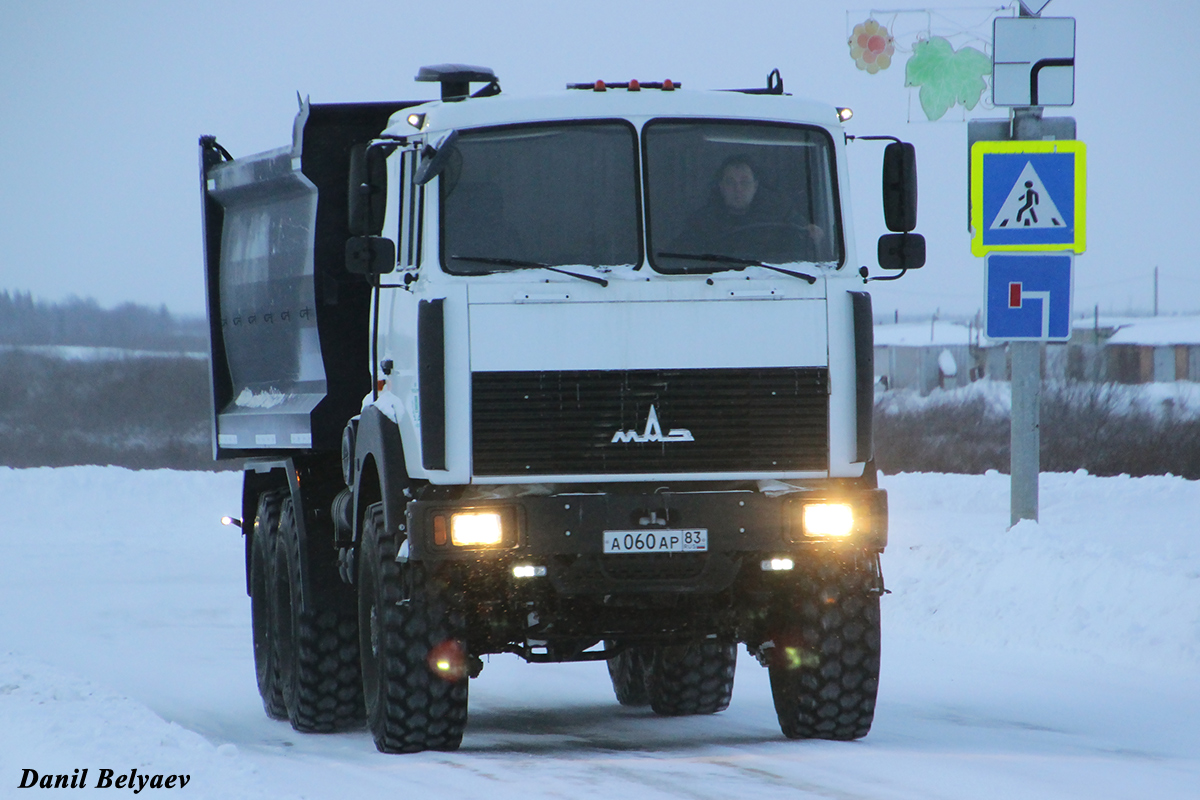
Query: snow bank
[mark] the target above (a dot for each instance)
(1112, 570)
(56, 723)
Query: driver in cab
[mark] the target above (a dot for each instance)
(745, 219)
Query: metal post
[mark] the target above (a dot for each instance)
(1025, 436)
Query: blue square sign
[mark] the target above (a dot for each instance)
(1028, 296)
(1028, 196)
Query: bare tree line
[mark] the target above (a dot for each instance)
(25, 321)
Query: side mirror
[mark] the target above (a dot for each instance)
(370, 255)
(367, 192)
(901, 251)
(900, 187)
(434, 161)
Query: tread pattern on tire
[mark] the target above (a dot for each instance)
(320, 673)
(409, 708)
(825, 666)
(628, 673)
(693, 678)
(262, 619)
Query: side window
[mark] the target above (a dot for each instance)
(412, 207)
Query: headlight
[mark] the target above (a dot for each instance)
(476, 528)
(828, 519)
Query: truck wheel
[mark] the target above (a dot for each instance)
(694, 678)
(825, 665)
(262, 623)
(628, 674)
(318, 646)
(413, 656)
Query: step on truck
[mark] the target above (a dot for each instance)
(577, 377)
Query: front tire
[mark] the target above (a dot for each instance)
(318, 642)
(693, 678)
(628, 674)
(825, 665)
(414, 660)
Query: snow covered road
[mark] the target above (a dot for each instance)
(1054, 660)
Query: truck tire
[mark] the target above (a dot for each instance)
(318, 646)
(413, 656)
(693, 678)
(628, 674)
(825, 665)
(262, 622)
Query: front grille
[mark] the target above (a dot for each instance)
(564, 423)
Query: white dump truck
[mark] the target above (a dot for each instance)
(584, 376)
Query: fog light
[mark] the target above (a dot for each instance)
(528, 571)
(777, 564)
(828, 519)
(476, 528)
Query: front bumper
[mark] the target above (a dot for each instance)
(564, 533)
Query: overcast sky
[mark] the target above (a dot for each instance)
(101, 105)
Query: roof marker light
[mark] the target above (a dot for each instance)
(844, 114)
(416, 120)
(668, 85)
(634, 86)
(599, 86)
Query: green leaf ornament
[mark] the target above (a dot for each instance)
(946, 76)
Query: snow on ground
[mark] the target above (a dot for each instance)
(1055, 660)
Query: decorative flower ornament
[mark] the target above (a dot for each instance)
(871, 46)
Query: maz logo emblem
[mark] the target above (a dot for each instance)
(653, 432)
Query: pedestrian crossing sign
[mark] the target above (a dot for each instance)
(1028, 195)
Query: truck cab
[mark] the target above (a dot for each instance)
(584, 376)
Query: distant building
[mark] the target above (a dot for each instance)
(927, 355)
(1154, 350)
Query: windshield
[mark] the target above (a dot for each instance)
(531, 195)
(739, 191)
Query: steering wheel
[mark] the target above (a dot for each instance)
(770, 238)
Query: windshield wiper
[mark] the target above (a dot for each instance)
(516, 262)
(742, 262)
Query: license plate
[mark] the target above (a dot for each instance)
(691, 540)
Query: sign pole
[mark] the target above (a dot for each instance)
(1025, 419)
(1025, 436)
(1026, 203)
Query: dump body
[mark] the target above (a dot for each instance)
(288, 324)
